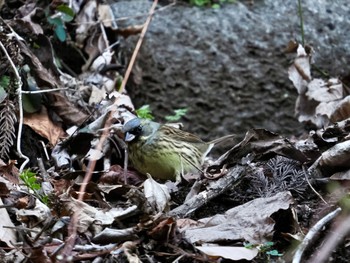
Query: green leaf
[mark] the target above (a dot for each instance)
(60, 33)
(215, 6)
(4, 81)
(274, 253)
(67, 13)
(268, 244)
(144, 112)
(36, 186)
(55, 21)
(249, 245)
(31, 180)
(178, 114)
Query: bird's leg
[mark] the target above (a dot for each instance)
(180, 174)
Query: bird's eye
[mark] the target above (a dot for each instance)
(137, 130)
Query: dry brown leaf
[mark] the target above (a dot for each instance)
(115, 176)
(251, 222)
(95, 44)
(157, 195)
(300, 72)
(105, 15)
(43, 77)
(7, 235)
(185, 223)
(318, 101)
(164, 231)
(340, 176)
(85, 213)
(33, 27)
(305, 109)
(341, 111)
(69, 113)
(10, 171)
(332, 111)
(321, 91)
(86, 20)
(338, 155)
(263, 142)
(43, 125)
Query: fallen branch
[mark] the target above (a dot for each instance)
(215, 189)
(315, 230)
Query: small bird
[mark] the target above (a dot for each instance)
(163, 151)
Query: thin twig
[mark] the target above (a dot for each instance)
(138, 46)
(20, 109)
(104, 35)
(42, 91)
(314, 165)
(312, 188)
(45, 150)
(300, 11)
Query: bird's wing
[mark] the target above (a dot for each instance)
(179, 135)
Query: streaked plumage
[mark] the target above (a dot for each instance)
(163, 151)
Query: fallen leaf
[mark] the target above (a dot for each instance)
(10, 171)
(44, 126)
(251, 222)
(233, 253)
(157, 195)
(300, 72)
(7, 235)
(340, 176)
(338, 155)
(321, 91)
(105, 15)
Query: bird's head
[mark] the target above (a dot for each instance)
(139, 127)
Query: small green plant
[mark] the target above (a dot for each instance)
(177, 115)
(145, 112)
(63, 15)
(4, 81)
(265, 248)
(29, 179)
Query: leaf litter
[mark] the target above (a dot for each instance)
(265, 191)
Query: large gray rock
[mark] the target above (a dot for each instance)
(228, 65)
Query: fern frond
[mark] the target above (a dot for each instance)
(7, 127)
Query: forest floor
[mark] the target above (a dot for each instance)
(68, 194)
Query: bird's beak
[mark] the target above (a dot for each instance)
(129, 137)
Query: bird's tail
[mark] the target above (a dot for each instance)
(226, 138)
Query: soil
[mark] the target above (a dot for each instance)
(228, 66)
